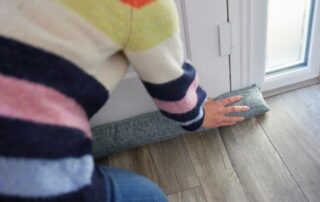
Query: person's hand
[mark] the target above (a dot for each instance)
(216, 110)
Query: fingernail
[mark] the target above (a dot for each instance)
(247, 107)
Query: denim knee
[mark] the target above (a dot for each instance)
(126, 186)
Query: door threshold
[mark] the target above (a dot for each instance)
(291, 87)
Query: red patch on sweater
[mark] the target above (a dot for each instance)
(137, 3)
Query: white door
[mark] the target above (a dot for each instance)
(199, 29)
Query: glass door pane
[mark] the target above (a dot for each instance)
(289, 23)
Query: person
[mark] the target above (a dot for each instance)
(60, 61)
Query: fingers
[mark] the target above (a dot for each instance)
(228, 123)
(216, 111)
(230, 100)
(232, 109)
(232, 118)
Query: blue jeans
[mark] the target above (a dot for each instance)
(125, 186)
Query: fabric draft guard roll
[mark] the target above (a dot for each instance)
(154, 127)
(252, 97)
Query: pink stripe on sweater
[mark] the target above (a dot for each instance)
(187, 103)
(34, 102)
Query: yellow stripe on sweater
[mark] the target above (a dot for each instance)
(153, 24)
(132, 28)
(112, 17)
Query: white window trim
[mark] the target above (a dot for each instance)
(249, 24)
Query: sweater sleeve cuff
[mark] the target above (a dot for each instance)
(196, 125)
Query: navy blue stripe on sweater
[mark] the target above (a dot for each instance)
(173, 90)
(93, 193)
(26, 139)
(26, 62)
(192, 114)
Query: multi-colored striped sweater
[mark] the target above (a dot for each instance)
(59, 62)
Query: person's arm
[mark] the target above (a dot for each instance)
(156, 52)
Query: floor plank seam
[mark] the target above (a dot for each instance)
(200, 184)
(291, 116)
(297, 122)
(188, 189)
(282, 160)
(153, 162)
(232, 163)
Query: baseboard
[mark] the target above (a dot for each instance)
(292, 87)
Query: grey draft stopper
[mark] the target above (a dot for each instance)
(154, 127)
(252, 97)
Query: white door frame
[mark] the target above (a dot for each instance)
(249, 23)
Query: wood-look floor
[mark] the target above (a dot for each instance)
(275, 157)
